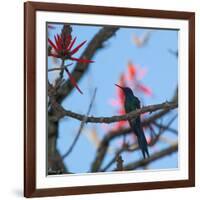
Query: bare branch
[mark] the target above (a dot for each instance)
(59, 68)
(160, 154)
(164, 127)
(103, 147)
(134, 147)
(151, 108)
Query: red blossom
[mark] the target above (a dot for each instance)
(144, 89)
(131, 70)
(133, 77)
(63, 48)
(73, 81)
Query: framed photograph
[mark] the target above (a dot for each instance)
(109, 99)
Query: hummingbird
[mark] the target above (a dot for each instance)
(132, 103)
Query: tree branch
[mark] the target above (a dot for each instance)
(134, 147)
(103, 147)
(163, 127)
(61, 112)
(173, 148)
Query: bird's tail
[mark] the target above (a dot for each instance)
(142, 143)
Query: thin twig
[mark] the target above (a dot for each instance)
(81, 126)
(164, 126)
(59, 68)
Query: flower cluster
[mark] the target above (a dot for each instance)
(63, 48)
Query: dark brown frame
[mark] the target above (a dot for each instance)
(30, 9)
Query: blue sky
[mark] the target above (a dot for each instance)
(110, 62)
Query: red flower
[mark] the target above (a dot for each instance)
(73, 81)
(134, 79)
(131, 71)
(63, 48)
(146, 90)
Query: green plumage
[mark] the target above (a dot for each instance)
(132, 103)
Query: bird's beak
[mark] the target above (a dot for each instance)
(119, 86)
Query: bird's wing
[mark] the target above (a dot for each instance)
(135, 122)
(132, 105)
(137, 103)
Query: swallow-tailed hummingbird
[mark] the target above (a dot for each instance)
(132, 103)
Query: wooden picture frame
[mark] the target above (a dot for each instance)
(30, 79)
